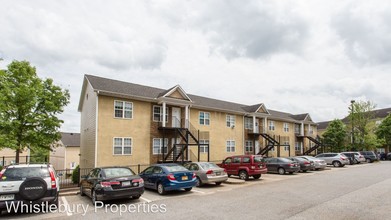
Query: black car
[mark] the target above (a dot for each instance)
(107, 183)
(370, 156)
(305, 165)
(281, 165)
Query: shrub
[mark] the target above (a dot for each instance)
(76, 175)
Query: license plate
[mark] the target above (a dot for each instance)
(7, 197)
(126, 183)
(218, 173)
(185, 178)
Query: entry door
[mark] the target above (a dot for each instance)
(256, 147)
(176, 117)
(256, 125)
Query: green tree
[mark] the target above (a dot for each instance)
(335, 135)
(384, 131)
(29, 107)
(361, 114)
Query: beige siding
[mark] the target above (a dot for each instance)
(8, 155)
(57, 157)
(219, 134)
(280, 135)
(88, 129)
(72, 156)
(137, 128)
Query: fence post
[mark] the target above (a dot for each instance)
(138, 168)
(3, 161)
(26, 159)
(78, 181)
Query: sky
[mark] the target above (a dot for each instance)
(294, 56)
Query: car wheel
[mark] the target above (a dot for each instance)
(199, 182)
(229, 175)
(337, 164)
(290, 172)
(136, 197)
(304, 171)
(188, 189)
(82, 191)
(257, 176)
(218, 183)
(368, 160)
(93, 197)
(281, 171)
(160, 189)
(243, 175)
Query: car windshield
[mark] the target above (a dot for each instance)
(206, 166)
(176, 168)
(13, 174)
(117, 171)
(258, 159)
(285, 160)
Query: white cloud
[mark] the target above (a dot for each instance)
(302, 56)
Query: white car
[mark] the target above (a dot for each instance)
(28, 183)
(318, 163)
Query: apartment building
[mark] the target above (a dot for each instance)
(124, 123)
(65, 153)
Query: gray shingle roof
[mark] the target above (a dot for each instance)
(136, 90)
(70, 139)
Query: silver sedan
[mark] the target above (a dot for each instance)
(318, 163)
(207, 172)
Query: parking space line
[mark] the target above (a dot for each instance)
(66, 204)
(197, 191)
(147, 200)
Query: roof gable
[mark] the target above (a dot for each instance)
(176, 93)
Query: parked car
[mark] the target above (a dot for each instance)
(108, 183)
(356, 157)
(167, 177)
(370, 156)
(335, 159)
(245, 166)
(207, 172)
(319, 164)
(305, 165)
(28, 184)
(388, 157)
(281, 165)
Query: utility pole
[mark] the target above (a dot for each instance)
(352, 115)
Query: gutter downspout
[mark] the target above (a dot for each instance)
(96, 129)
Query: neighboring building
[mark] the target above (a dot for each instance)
(7, 156)
(378, 115)
(125, 124)
(65, 153)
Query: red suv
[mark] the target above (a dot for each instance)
(245, 166)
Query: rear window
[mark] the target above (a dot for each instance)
(206, 166)
(176, 168)
(259, 160)
(15, 174)
(117, 171)
(284, 160)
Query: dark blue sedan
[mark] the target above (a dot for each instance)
(167, 177)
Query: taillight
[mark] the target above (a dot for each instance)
(171, 176)
(343, 158)
(306, 162)
(209, 172)
(194, 176)
(53, 179)
(225, 170)
(139, 182)
(109, 184)
(292, 165)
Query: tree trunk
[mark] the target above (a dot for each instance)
(17, 156)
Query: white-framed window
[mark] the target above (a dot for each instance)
(72, 165)
(249, 146)
(158, 145)
(230, 121)
(203, 147)
(158, 113)
(273, 149)
(204, 118)
(271, 126)
(230, 146)
(122, 146)
(123, 109)
(248, 123)
(286, 147)
(286, 127)
(298, 146)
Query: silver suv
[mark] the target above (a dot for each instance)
(335, 159)
(28, 184)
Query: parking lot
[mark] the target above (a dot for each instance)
(75, 206)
